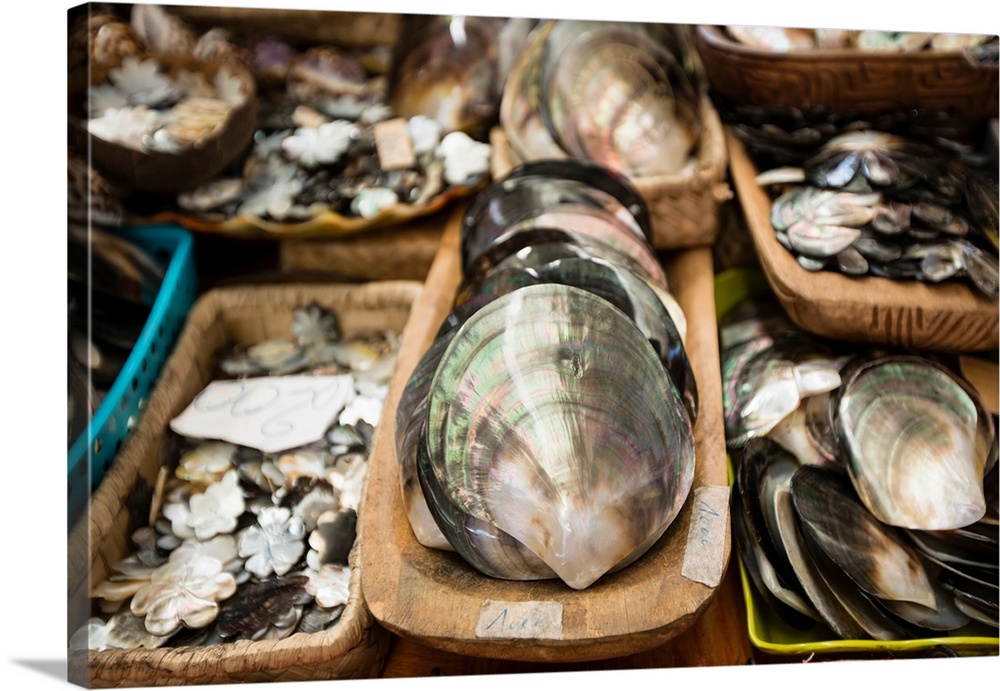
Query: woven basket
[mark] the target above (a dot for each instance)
(683, 207)
(356, 646)
(348, 29)
(402, 252)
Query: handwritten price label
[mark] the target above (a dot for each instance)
(706, 542)
(532, 619)
(267, 413)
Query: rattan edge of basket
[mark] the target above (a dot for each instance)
(229, 662)
(110, 495)
(711, 161)
(237, 660)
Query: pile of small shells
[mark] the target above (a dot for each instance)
(322, 145)
(865, 491)
(320, 165)
(143, 107)
(245, 544)
(873, 203)
(781, 39)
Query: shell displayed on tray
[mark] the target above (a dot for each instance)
(867, 504)
(509, 454)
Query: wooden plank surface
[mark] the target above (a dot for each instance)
(435, 598)
(717, 638)
(863, 309)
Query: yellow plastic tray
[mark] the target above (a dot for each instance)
(769, 633)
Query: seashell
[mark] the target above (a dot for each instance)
(542, 186)
(447, 68)
(487, 548)
(930, 477)
(515, 394)
(217, 45)
(211, 195)
(760, 570)
(206, 462)
(750, 319)
(612, 94)
(465, 160)
(257, 605)
(634, 296)
(594, 225)
(766, 380)
(958, 42)
(778, 39)
(315, 618)
(332, 538)
(526, 130)
(892, 41)
(765, 466)
(103, 39)
(867, 160)
(163, 31)
(874, 555)
(982, 267)
(814, 581)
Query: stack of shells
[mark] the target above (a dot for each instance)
(547, 431)
(865, 492)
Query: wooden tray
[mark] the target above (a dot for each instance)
(353, 648)
(865, 309)
(437, 599)
(844, 79)
(684, 207)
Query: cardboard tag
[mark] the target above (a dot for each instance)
(706, 542)
(393, 145)
(532, 619)
(267, 413)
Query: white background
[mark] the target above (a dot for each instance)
(32, 370)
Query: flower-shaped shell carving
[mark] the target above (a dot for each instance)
(131, 575)
(371, 201)
(314, 324)
(221, 547)
(139, 79)
(123, 630)
(183, 593)
(127, 126)
(217, 510)
(274, 544)
(277, 197)
(313, 146)
(330, 585)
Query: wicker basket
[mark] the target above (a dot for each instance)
(348, 29)
(356, 646)
(847, 79)
(402, 252)
(683, 207)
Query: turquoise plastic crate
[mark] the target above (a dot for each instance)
(93, 452)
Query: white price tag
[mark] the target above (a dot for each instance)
(271, 414)
(706, 541)
(533, 619)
